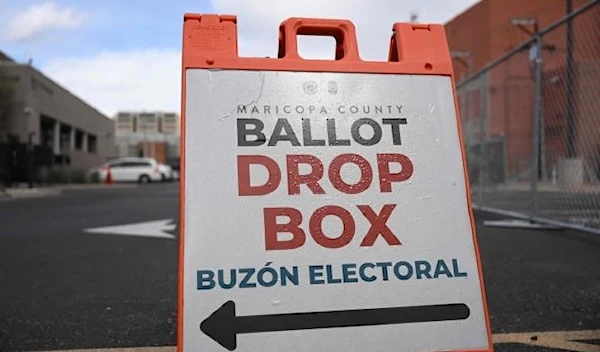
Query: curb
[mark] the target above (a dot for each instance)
(28, 193)
(96, 187)
(42, 192)
(49, 191)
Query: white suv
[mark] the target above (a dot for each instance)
(131, 169)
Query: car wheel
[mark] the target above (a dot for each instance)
(144, 179)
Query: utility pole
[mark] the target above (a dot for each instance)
(413, 17)
(535, 56)
(465, 57)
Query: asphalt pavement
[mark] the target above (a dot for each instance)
(64, 288)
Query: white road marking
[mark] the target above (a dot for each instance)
(156, 229)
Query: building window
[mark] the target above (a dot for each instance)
(170, 117)
(147, 118)
(134, 124)
(147, 122)
(123, 127)
(124, 117)
(47, 131)
(169, 129)
(160, 125)
(92, 144)
(65, 138)
(12, 79)
(78, 140)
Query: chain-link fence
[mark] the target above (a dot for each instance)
(531, 125)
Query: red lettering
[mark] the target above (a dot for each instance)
(310, 180)
(366, 174)
(378, 225)
(244, 186)
(272, 228)
(316, 228)
(385, 177)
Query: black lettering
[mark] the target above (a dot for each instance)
(332, 135)
(241, 109)
(423, 269)
(307, 135)
(243, 131)
(255, 110)
(395, 123)
(384, 266)
(379, 109)
(245, 283)
(280, 126)
(356, 131)
(267, 109)
(232, 279)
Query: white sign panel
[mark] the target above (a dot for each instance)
(326, 212)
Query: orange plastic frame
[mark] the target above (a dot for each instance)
(210, 41)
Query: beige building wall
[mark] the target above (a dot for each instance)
(152, 134)
(53, 116)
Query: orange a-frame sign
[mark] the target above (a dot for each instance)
(325, 203)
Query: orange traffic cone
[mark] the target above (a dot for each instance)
(109, 179)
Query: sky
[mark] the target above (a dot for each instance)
(125, 54)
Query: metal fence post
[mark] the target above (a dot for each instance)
(482, 107)
(537, 116)
(570, 93)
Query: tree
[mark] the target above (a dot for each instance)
(7, 103)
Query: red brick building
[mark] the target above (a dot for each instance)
(485, 30)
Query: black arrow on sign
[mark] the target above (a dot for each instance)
(223, 325)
